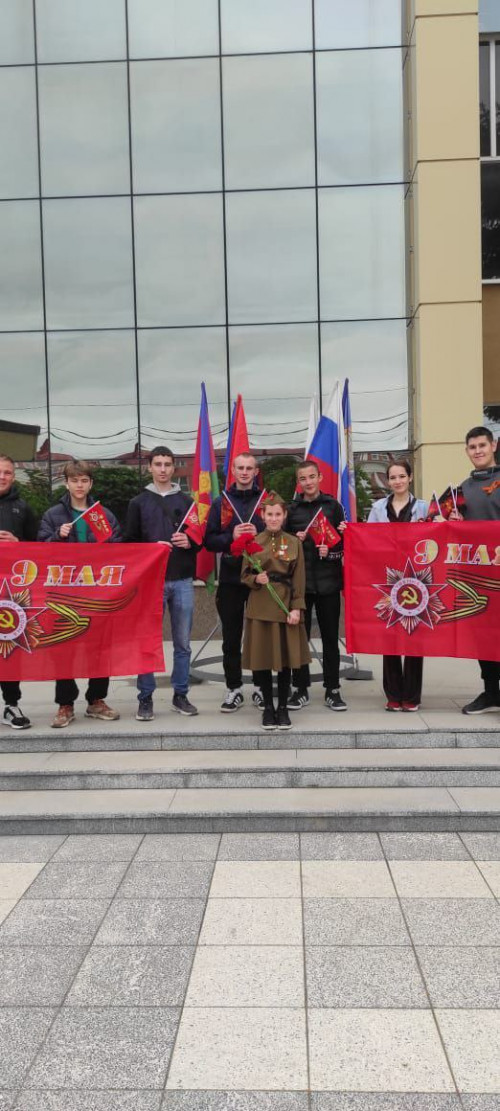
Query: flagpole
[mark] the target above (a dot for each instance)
(311, 522)
(438, 503)
(256, 506)
(80, 515)
(233, 507)
(453, 498)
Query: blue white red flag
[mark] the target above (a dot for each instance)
(324, 447)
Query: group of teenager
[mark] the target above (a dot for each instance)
(265, 605)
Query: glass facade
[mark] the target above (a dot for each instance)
(199, 190)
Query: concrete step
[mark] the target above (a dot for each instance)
(265, 769)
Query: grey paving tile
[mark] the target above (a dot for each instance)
(166, 879)
(363, 879)
(483, 846)
(252, 922)
(99, 847)
(363, 976)
(462, 977)
(438, 879)
(29, 848)
(78, 880)
(6, 1100)
(179, 846)
(481, 1103)
(259, 846)
(15, 879)
(354, 922)
(472, 1038)
(88, 1101)
(490, 869)
(340, 846)
(37, 976)
(453, 921)
(423, 846)
(53, 922)
(247, 976)
(22, 1030)
(235, 1101)
(106, 1048)
(152, 922)
(257, 879)
(376, 1101)
(127, 976)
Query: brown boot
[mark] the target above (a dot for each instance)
(101, 711)
(65, 715)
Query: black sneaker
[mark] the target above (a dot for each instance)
(182, 705)
(257, 699)
(14, 717)
(334, 701)
(297, 700)
(484, 704)
(269, 718)
(283, 718)
(232, 702)
(145, 710)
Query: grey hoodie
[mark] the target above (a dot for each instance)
(482, 498)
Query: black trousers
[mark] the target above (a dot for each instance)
(490, 674)
(231, 599)
(264, 680)
(328, 613)
(403, 680)
(11, 692)
(67, 691)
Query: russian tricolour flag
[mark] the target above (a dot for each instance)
(331, 449)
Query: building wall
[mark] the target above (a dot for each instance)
(491, 343)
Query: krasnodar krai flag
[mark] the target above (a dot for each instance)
(237, 440)
(348, 485)
(324, 447)
(205, 487)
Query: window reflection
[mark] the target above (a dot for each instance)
(372, 354)
(176, 136)
(18, 141)
(490, 208)
(173, 28)
(358, 23)
(360, 116)
(188, 356)
(362, 252)
(265, 25)
(179, 260)
(17, 45)
(23, 424)
(76, 31)
(276, 369)
(88, 263)
(84, 129)
(268, 121)
(271, 256)
(20, 266)
(484, 98)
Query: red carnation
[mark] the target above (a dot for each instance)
(245, 545)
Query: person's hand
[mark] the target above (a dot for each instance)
(65, 530)
(167, 542)
(322, 551)
(301, 535)
(342, 526)
(262, 578)
(6, 535)
(245, 529)
(293, 617)
(455, 516)
(180, 540)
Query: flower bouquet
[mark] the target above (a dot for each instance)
(247, 546)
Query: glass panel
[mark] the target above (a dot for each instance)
(268, 121)
(176, 125)
(276, 370)
(76, 31)
(373, 355)
(23, 427)
(362, 269)
(484, 98)
(360, 116)
(497, 92)
(88, 263)
(20, 266)
(173, 28)
(358, 23)
(490, 208)
(271, 256)
(264, 25)
(17, 45)
(179, 260)
(190, 356)
(92, 394)
(84, 129)
(489, 15)
(18, 141)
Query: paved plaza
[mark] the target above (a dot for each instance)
(240, 972)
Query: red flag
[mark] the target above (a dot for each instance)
(69, 610)
(237, 441)
(97, 521)
(191, 524)
(322, 532)
(205, 487)
(430, 589)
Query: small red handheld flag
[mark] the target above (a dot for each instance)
(191, 524)
(322, 532)
(97, 521)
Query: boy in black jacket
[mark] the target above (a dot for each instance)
(17, 522)
(155, 516)
(323, 584)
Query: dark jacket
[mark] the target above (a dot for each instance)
(152, 517)
(61, 513)
(482, 497)
(17, 516)
(323, 576)
(218, 537)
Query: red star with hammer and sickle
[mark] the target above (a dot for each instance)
(31, 612)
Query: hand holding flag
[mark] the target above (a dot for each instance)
(192, 525)
(97, 522)
(323, 533)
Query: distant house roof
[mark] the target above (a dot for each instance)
(14, 426)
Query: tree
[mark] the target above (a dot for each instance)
(115, 486)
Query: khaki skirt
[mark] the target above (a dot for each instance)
(273, 645)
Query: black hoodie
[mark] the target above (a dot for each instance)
(17, 516)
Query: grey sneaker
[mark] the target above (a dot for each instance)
(182, 705)
(145, 710)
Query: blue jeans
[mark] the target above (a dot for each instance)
(179, 597)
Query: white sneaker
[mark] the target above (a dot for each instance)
(232, 701)
(14, 717)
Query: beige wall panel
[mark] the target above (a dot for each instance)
(421, 8)
(448, 232)
(446, 67)
(491, 344)
(448, 375)
(436, 465)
